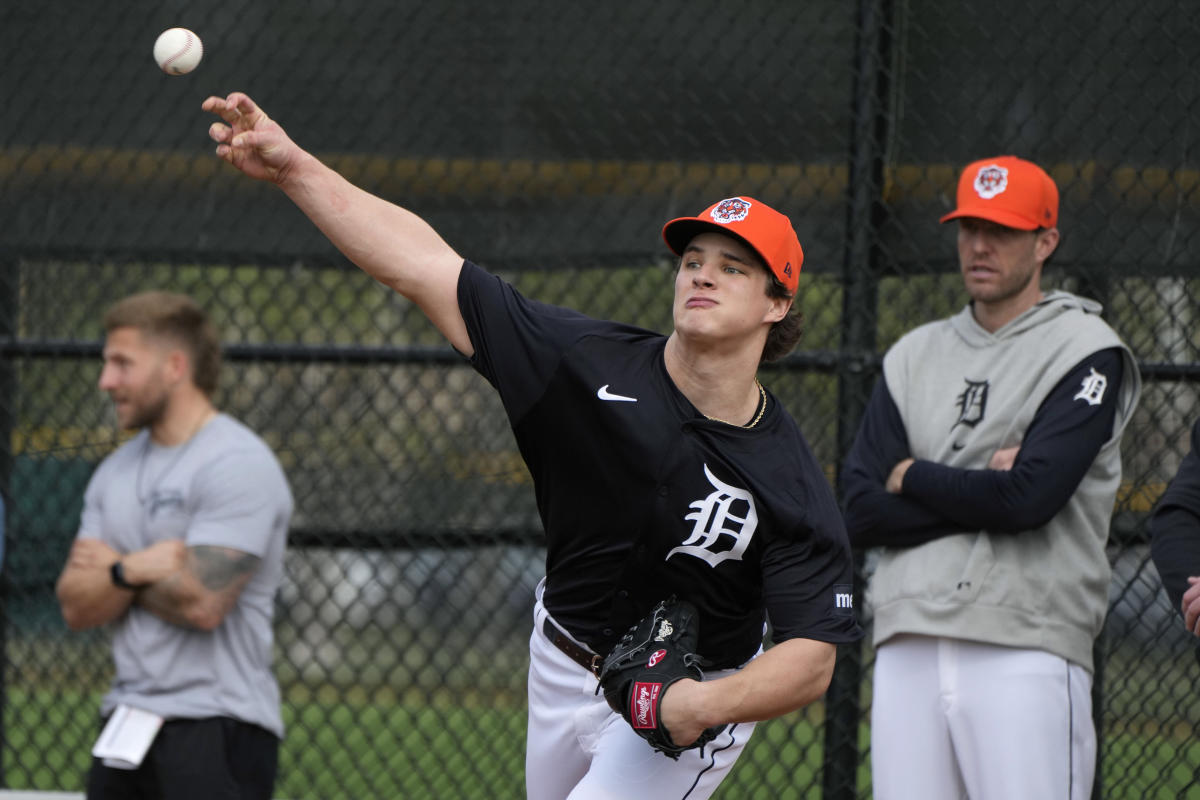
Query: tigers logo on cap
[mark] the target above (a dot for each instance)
(991, 181)
(734, 209)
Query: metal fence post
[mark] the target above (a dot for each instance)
(9, 306)
(1098, 288)
(860, 270)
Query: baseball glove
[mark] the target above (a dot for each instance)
(655, 653)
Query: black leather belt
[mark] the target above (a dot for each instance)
(580, 655)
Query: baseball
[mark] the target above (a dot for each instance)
(178, 51)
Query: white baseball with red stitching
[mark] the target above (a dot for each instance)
(178, 51)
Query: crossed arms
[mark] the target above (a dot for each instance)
(892, 500)
(193, 587)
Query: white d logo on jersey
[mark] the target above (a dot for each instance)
(714, 517)
(1092, 390)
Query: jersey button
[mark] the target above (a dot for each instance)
(608, 631)
(662, 491)
(623, 593)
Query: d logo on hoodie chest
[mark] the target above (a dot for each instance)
(972, 404)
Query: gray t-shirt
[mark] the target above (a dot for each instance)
(224, 488)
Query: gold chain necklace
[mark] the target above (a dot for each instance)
(762, 408)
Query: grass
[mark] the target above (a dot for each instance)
(381, 747)
(390, 749)
(388, 746)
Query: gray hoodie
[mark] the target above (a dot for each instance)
(1045, 588)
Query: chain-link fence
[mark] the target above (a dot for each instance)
(549, 141)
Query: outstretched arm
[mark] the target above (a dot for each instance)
(389, 243)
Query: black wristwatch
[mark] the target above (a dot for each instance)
(117, 573)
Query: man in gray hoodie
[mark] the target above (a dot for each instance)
(985, 470)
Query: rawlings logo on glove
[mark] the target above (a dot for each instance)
(643, 714)
(655, 653)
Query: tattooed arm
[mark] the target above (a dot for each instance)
(199, 595)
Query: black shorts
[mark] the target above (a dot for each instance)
(195, 759)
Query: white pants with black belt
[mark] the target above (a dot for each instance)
(578, 748)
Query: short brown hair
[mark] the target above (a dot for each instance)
(785, 333)
(176, 317)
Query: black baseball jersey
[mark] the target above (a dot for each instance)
(641, 496)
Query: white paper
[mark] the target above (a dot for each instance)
(126, 738)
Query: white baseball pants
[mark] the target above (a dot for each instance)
(578, 748)
(954, 719)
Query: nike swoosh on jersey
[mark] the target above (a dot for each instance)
(604, 394)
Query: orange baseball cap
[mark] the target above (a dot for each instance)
(763, 229)
(1008, 191)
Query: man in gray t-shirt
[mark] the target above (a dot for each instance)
(180, 547)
